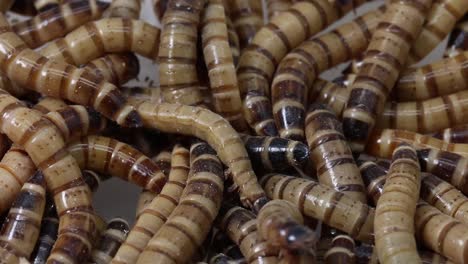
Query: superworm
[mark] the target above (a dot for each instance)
(190, 222)
(383, 60)
(20, 230)
(384, 163)
(275, 7)
(374, 177)
(208, 126)
(43, 5)
(330, 153)
(274, 153)
(125, 8)
(458, 41)
(47, 236)
(280, 223)
(233, 39)
(115, 68)
(219, 62)
(156, 213)
(247, 16)
(58, 21)
(342, 251)
(110, 241)
(395, 209)
(272, 42)
(241, 227)
(5, 5)
(299, 69)
(456, 134)
(323, 203)
(159, 7)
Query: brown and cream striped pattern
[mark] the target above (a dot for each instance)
(275, 7)
(43, 5)
(374, 177)
(47, 236)
(110, 241)
(458, 41)
(115, 68)
(247, 17)
(125, 8)
(342, 251)
(233, 39)
(456, 134)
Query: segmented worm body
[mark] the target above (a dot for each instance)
(208, 126)
(233, 39)
(395, 209)
(247, 16)
(275, 7)
(374, 177)
(115, 68)
(47, 236)
(456, 134)
(43, 5)
(330, 153)
(274, 153)
(342, 250)
(190, 222)
(323, 203)
(384, 58)
(110, 241)
(159, 7)
(58, 21)
(458, 41)
(125, 8)
(136, 95)
(299, 69)
(219, 62)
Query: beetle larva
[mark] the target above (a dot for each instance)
(440, 21)
(247, 16)
(395, 209)
(330, 153)
(43, 5)
(277, 6)
(125, 8)
(58, 21)
(274, 153)
(374, 177)
(299, 69)
(159, 7)
(208, 126)
(458, 41)
(241, 227)
(115, 68)
(323, 203)
(384, 163)
(189, 223)
(233, 39)
(220, 65)
(117, 230)
(49, 104)
(156, 213)
(342, 251)
(5, 5)
(20, 230)
(384, 59)
(47, 236)
(456, 134)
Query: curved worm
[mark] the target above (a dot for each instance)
(47, 236)
(189, 223)
(125, 8)
(342, 250)
(456, 134)
(233, 39)
(330, 153)
(458, 41)
(159, 8)
(247, 17)
(323, 203)
(115, 68)
(384, 59)
(43, 5)
(374, 177)
(275, 7)
(299, 69)
(110, 241)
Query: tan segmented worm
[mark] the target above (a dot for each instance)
(342, 251)
(156, 213)
(458, 41)
(125, 8)
(21, 228)
(47, 236)
(43, 5)
(456, 134)
(240, 225)
(220, 65)
(247, 16)
(233, 39)
(110, 241)
(12, 88)
(384, 59)
(374, 177)
(208, 126)
(395, 209)
(384, 163)
(58, 21)
(115, 68)
(28, 69)
(299, 69)
(5, 5)
(330, 153)
(275, 7)
(136, 95)
(323, 203)
(159, 7)
(440, 21)
(272, 42)
(189, 223)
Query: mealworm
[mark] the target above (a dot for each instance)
(220, 65)
(156, 213)
(136, 95)
(456, 134)
(189, 223)
(342, 250)
(384, 59)
(440, 21)
(115, 68)
(330, 153)
(373, 177)
(323, 203)
(395, 209)
(241, 227)
(272, 42)
(12, 88)
(233, 39)
(125, 8)
(47, 236)
(5, 5)
(458, 41)
(274, 153)
(299, 69)
(110, 241)
(275, 7)
(247, 16)
(58, 21)
(384, 163)
(144, 198)
(20, 230)
(159, 8)
(210, 127)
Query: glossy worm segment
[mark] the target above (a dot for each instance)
(395, 209)
(374, 177)
(456, 134)
(47, 236)
(110, 241)
(331, 155)
(247, 16)
(58, 21)
(20, 230)
(342, 250)
(43, 5)
(275, 7)
(136, 95)
(323, 203)
(274, 153)
(299, 69)
(212, 128)
(233, 39)
(384, 59)
(156, 213)
(221, 69)
(189, 223)
(177, 55)
(241, 227)
(115, 68)
(458, 41)
(28, 69)
(125, 8)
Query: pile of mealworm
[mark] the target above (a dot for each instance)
(243, 151)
